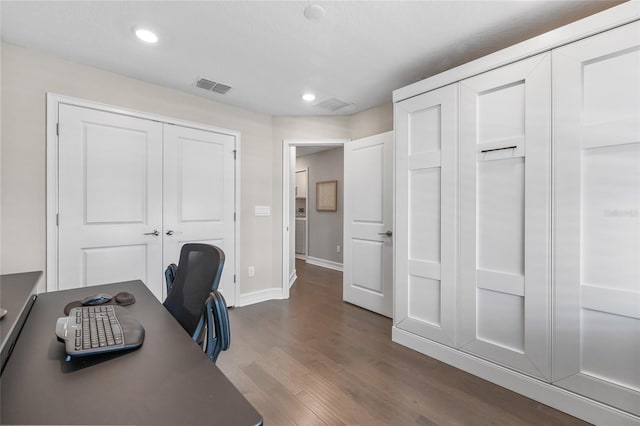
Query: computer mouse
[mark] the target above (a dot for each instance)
(97, 299)
(124, 298)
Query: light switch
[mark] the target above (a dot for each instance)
(263, 210)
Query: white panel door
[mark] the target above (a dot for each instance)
(368, 211)
(505, 145)
(110, 199)
(426, 214)
(597, 217)
(199, 196)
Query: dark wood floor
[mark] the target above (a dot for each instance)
(314, 359)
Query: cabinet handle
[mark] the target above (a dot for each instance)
(484, 151)
(169, 232)
(388, 233)
(155, 233)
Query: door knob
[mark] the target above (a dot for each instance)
(169, 232)
(388, 233)
(154, 233)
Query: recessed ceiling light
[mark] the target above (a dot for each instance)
(314, 12)
(146, 35)
(309, 97)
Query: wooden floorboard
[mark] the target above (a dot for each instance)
(316, 360)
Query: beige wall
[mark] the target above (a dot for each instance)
(26, 78)
(306, 128)
(371, 121)
(0, 165)
(28, 75)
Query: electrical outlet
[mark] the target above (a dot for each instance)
(263, 210)
(252, 271)
(338, 249)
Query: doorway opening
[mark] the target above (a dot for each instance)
(295, 209)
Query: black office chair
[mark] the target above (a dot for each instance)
(218, 336)
(189, 286)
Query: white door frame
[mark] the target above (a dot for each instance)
(286, 180)
(53, 102)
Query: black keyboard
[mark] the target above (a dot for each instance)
(98, 329)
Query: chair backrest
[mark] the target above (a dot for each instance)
(218, 328)
(198, 274)
(170, 275)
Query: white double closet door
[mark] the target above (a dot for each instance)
(132, 191)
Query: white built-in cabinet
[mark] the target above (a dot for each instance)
(426, 218)
(597, 217)
(518, 222)
(505, 214)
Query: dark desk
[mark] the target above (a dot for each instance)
(166, 381)
(17, 293)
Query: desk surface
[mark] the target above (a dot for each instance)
(16, 295)
(168, 380)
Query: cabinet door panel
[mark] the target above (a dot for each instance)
(426, 212)
(597, 219)
(505, 215)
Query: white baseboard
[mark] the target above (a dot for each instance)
(324, 263)
(292, 278)
(301, 256)
(247, 299)
(546, 393)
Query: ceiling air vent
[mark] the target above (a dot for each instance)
(212, 86)
(332, 104)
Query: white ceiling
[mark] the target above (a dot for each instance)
(359, 52)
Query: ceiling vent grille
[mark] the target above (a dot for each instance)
(333, 104)
(212, 86)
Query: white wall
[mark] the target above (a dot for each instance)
(28, 75)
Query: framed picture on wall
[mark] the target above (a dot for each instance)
(327, 196)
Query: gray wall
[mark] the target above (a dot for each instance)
(325, 228)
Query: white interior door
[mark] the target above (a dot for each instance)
(368, 215)
(505, 215)
(110, 199)
(597, 220)
(426, 214)
(199, 199)
(291, 275)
